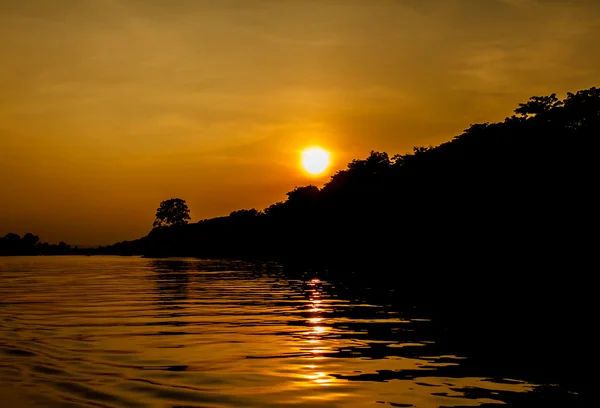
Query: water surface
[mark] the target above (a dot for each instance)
(133, 332)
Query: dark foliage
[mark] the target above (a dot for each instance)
(518, 192)
(172, 212)
(29, 244)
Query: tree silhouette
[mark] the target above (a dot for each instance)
(30, 244)
(172, 212)
(30, 240)
(538, 105)
(485, 194)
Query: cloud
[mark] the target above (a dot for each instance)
(521, 3)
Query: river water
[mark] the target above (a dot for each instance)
(134, 332)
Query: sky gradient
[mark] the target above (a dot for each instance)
(108, 107)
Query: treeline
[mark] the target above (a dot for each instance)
(517, 194)
(14, 245)
(29, 244)
(500, 197)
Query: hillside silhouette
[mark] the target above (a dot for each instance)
(521, 190)
(518, 192)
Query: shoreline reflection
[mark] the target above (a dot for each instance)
(213, 333)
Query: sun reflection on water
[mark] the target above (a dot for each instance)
(314, 338)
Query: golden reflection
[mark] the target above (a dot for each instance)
(315, 306)
(321, 378)
(314, 338)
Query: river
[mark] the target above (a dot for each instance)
(135, 332)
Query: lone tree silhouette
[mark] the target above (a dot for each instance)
(172, 212)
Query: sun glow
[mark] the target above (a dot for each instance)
(315, 160)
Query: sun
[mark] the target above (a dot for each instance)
(315, 160)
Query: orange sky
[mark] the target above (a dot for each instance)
(108, 107)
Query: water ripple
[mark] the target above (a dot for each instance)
(133, 332)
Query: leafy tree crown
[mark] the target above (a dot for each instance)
(172, 212)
